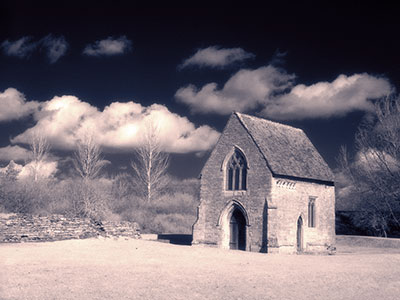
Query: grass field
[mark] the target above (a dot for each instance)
(138, 269)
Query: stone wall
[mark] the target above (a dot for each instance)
(272, 209)
(291, 202)
(32, 228)
(367, 241)
(214, 197)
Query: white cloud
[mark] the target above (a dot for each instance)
(269, 90)
(374, 160)
(56, 47)
(64, 120)
(20, 48)
(14, 106)
(245, 90)
(216, 57)
(44, 169)
(9, 153)
(11, 166)
(109, 46)
(327, 99)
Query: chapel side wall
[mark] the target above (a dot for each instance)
(214, 198)
(293, 202)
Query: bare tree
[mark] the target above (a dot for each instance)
(88, 161)
(40, 148)
(374, 174)
(88, 200)
(151, 162)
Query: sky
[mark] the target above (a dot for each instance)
(67, 68)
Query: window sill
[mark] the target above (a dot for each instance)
(235, 193)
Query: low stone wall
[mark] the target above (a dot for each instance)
(126, 229)
(367, 241)
(32, 228)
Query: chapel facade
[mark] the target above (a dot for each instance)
(265, 188)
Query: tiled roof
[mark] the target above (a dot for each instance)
(287, 150)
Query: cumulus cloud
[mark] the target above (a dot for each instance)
(20, 48)
(64, 120)
(374, 160)
(109, 46)
(9, 153)
(270, 91)
(11, 166)
(328, 99)
(215, 57)
(45, 169)
(13, 105)
(245, 90)
(56, 47)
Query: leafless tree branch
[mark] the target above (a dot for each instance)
(151, 162)
(88, 161)
(40, 148)
(374, 174)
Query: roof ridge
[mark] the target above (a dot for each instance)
(239, 114)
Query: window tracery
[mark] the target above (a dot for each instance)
(236, 172)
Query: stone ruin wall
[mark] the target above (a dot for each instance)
(16, 228)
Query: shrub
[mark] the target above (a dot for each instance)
(114, 199)
(174, 213)
(26, 196)
(173, 223)
(175, 203)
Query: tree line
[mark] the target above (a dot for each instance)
(369, 181)
(149, 196)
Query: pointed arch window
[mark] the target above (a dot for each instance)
(236, 172)
(311, 212)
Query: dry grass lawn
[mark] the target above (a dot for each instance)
(138, 269)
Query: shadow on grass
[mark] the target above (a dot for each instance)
(177, 239)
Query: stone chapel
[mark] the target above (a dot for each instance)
(265, 188)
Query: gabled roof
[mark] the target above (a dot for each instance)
(287, 150)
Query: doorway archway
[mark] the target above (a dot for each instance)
(233, 223)
(237, 231)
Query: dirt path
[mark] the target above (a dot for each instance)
(136, 269)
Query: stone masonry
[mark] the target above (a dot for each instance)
(32, 228)
(273, 202)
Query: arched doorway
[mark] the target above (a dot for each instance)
(233, 223)
(237, 231)
(300, 234)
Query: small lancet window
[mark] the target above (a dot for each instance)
(311, 212)
(236, 172)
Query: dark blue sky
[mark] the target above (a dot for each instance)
(320, 43)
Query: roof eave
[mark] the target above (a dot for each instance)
(311, 180)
